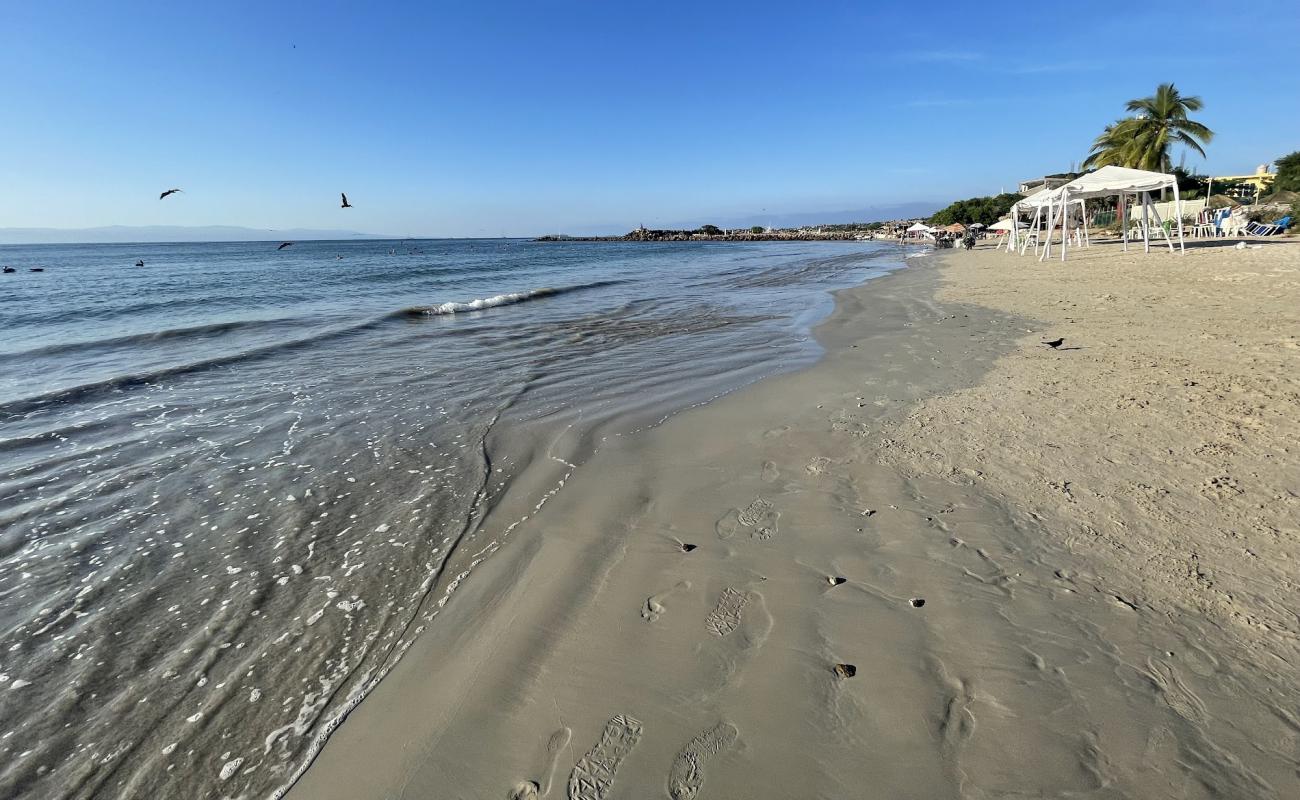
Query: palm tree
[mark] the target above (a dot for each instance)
(1108, 148)
(1143, 141)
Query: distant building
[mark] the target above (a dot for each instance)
(1244, 187)
(1046, 182)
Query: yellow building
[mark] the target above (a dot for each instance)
(1259, 183)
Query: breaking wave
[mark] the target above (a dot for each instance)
(508, 299)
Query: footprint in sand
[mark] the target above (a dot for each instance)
(1177, 695)
(770, 473)
(818, 465)
(654, 607)
(593, 775)
(531, 790)
(759, 518)
(686, 776)
(725, 617)
(526, 790)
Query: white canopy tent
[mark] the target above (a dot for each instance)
(1108, 182)
(921, 228)
(1003, 225)
(1041, 203)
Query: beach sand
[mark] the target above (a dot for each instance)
(1042, 573)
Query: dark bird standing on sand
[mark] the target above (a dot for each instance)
(284, 245)
(169, 191)
(1055, 343)
(346, 204)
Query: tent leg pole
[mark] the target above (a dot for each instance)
(1051, 228)
(1123, 219)
(1178, 212)
(1065, 226)
(1160, 223)
(1146, 222)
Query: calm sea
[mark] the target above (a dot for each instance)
(237, 481)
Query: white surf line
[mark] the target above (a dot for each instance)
(372, 678)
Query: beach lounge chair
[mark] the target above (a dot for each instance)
(1235, 223)
(1268, 229)
(1204, 225)
(1210, 223)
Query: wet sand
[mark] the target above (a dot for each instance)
(945, 561)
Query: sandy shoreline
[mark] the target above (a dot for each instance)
(1104, 540)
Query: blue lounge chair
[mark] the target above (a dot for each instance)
(1262, 229)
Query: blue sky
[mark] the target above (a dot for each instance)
(463, 119)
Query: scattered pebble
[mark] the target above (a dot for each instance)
(917, 602)
(846, 670)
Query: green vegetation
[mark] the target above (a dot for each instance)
(710, 230)
(1288, 173)
(756, 229)
(1143, 140)
(852, 227)
(984, 210)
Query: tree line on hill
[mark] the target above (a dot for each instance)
(984, 210)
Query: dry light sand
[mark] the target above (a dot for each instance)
(1042, 573)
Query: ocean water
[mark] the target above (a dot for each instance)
(236, 482)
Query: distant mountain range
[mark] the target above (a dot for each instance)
(121, 234)
(113, 234)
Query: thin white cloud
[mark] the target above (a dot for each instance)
(1058, 66)
(944, 56)
(939, 102)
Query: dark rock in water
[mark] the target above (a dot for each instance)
(846, 670)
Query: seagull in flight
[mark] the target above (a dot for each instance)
(169, 191)
(284, 245)
(346, 204)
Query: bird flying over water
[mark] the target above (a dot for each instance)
(284, 245)
(1055, 343)
(169, 191)
(346, 204)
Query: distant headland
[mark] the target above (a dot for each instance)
(711, 233)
